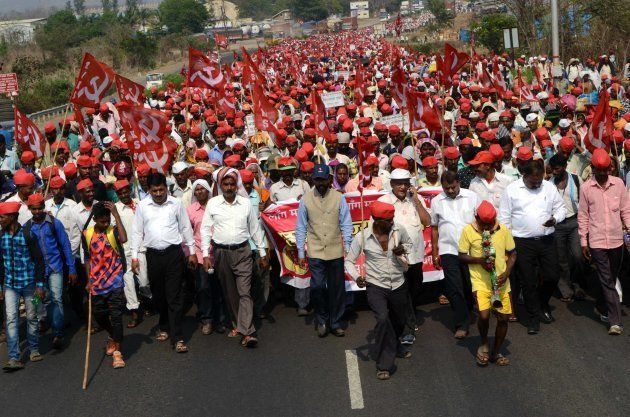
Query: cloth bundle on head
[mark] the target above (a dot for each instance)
(438, 150)
(203, 183)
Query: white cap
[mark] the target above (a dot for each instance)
(542, 95)
(473, 115)
(493, 117)
(343, 137)
(107, 140)
(564, 123)
(407, 153)
(372, 89)
(531, 117)
(179, 167)
(400, 174)
(627, 127)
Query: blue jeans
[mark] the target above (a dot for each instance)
(12, 305)
(54, 302)
(328, 290)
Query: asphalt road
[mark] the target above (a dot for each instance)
(571, 368)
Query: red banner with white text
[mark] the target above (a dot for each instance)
(280, 221)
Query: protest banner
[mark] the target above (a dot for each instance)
(333, 99)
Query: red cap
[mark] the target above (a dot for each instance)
(486, 212)
(496, 151)
(399, 162)
(201, 154)
(546, 143)
(85, 147)
(626, 145)
(10, 207)
(35, 199)
(56, 183)
(84, 161)
(49, 172)
(371, 161)
(382, 210)
(307, 166)
(143, 169)
(247, 176)
(285, 161)
(488, 135)
(22, 177)
(483, 157)
(541, 133)
(195, 131)
(120, 184)
(566, 144)
(308, 148)
(290, 139)
(394, 130)
(103, 108)
(63, 145)
(232, 160)
(451, 153)
(524, 153)
(466, 141)
(301, 155)
(70, 170)
(83, 184)
(600, 159)
(310, 132)
(49, 127)
(462, 122)
(429, 161)
(27, 157)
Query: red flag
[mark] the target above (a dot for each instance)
(451, 63)
(251, 72)
(129, 91)
(265, 114)
(78, 117)
(28, 135)
(538, 80)
(601, 128)
(319, 113)
(146, 133)
(202, 72)
(94, 79)
(497, 79)
(399, 84)
(221, 41)
(359, 80)
(398, 25)
(421, 115)
(364, 149)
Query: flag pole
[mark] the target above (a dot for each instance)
(52, 161)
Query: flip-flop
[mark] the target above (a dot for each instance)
(500, 360)
(161, 336)
(482, 356)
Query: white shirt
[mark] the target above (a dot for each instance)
(24, 214)
(406, 216)
(184, 194)
(126, 214)
(159, 226)
(490, 191)
(451, 215)
(65, 213)
(230, 224)
(281, 192)
(524, 211)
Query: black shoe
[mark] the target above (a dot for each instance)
(546, 317)
(533, 328)
(58, 343)
(339, 332)
(322, 331)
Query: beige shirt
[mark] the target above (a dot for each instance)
(281, 192)
(406, 216)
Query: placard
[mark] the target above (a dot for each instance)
(333, 99)
(250, 126)
(8, 83)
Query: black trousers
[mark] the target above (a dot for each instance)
(166, 273)
(208, 297)
(413, 283)
(457, 288)
(540, 251)
(76, 292)
(390, 310)
(108, 311)
(608, 264)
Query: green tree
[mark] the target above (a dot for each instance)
(443, 17)
(309, 9)
(79, 7)
(59, 33)
(141, 50)
(132, 11)
(489, 31)
(106, 5)
(181, 15)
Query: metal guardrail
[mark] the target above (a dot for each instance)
(42, 115)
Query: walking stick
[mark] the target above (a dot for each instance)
(87, 348)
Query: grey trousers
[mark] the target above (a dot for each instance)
(608, 264)
(570, 257)
(234, 269)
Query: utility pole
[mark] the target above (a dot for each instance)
(555, 41)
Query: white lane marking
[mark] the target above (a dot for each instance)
(354, 380)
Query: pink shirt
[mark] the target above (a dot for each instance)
(376, 184)
(195, 214)
(600, 213)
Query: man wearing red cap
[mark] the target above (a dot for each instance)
(531, 207)
(375, 184)
(431, 171)
(386, 247)
(58, 258)
(22, 274)
(487, 246)
(25, 183)
(603, 215)
(290, 187)
(105, 120)
(488, 184)
(332, 145)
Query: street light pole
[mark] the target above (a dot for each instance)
(555, 41)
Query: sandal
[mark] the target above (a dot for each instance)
(382, 375)
(233, 333)
(461, 334)
(118, 361)
(482, 356)
(180, 347)
(512, 318)
(161, 336)
(443, 300)
(500, 360)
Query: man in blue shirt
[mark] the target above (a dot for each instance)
(57, 253)
(324, 216)
(21, 275)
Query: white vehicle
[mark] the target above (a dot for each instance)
(255, 30)
(155, 79)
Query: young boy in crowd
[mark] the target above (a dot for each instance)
(105, 268)
(487, 247)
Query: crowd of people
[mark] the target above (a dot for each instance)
(528, 205)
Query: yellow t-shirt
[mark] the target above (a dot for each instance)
(470, 243)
